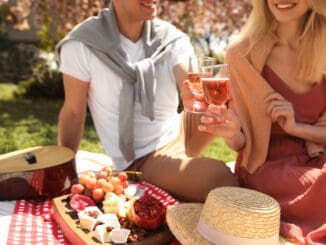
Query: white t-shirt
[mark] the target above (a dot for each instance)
(103, 96)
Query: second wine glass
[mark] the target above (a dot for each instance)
(195, 75)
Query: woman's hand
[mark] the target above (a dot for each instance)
(224, 123)
(281, 111)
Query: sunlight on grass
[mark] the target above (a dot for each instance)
(218, 150)
(7, 91)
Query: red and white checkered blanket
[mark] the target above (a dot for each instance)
(33, 223)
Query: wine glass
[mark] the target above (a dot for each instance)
(216, 87)
(195, 74)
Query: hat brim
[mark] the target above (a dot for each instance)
(182, 220)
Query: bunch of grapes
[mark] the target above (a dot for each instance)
(97, 185)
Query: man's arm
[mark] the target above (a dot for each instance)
(73, 112)
(180, 73)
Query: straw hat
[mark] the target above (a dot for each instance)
(229, 216)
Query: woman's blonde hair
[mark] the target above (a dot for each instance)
(312, 56)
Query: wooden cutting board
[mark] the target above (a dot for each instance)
(68, 222)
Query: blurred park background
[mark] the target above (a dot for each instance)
(31, 91)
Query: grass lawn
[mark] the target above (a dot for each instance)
(26, 123)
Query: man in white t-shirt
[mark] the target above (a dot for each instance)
(128, 67)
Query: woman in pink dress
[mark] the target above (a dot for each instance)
(276, 118)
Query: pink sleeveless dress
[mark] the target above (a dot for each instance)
(289, 175)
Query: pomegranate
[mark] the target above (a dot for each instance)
(80, 202)
(148, 213)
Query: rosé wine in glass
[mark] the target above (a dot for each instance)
(216, 90)
(195, 84)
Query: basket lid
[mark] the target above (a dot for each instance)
(34, 158)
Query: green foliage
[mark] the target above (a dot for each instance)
(45, 83)
(20, 63)
(47, 43)
(16, 59)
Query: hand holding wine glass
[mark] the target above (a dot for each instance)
(220, 120)
(223, 122)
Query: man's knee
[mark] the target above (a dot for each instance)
(218, 174)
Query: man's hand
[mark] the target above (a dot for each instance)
(192, 102)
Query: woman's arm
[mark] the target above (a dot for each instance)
(281, 111)
(309, 132)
